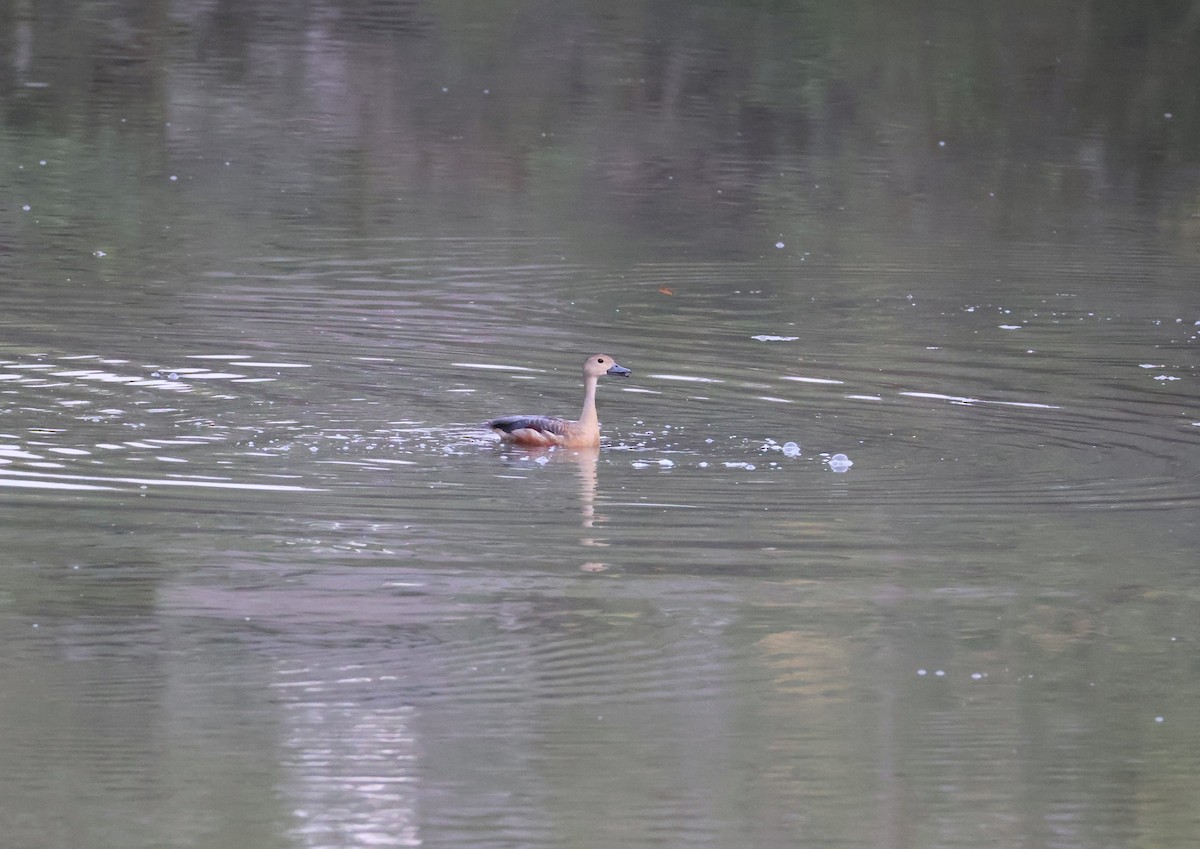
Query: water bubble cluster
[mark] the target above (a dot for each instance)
(840, 463)
(661, 463)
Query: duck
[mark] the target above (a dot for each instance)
(551, 431)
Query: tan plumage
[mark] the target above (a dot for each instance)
(543, 431)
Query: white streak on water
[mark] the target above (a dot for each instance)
(961, 399)
(18, 454)
(28, 484)
(203, 484)
(162, 384)
(653, 504)
(373, 462)
(687, 378)
(825, 380)
(496, 367)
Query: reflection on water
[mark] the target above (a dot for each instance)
(425, 634)
(267, 582)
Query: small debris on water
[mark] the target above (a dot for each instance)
(662, 463)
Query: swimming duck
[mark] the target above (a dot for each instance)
(544, 431)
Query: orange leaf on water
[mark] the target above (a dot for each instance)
(663, 290)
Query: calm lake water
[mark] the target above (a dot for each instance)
(266, 581)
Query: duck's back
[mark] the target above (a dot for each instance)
(533, 430)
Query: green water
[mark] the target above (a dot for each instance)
(265, 581)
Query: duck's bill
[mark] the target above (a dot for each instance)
(620, 371)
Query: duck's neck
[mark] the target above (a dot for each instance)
(588, 420)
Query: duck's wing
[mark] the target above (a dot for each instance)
(550, 425)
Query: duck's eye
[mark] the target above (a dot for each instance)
(600, 359)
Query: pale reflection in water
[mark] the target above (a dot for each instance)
(586, 461)
(350, 769)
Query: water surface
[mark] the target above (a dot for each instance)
(268, 582)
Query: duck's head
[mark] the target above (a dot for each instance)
(602, 364)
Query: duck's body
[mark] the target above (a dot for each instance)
(546, 431)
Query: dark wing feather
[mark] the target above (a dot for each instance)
(546, 424)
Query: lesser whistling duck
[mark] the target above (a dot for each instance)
(544, 431)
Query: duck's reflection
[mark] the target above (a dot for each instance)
(586, 461)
